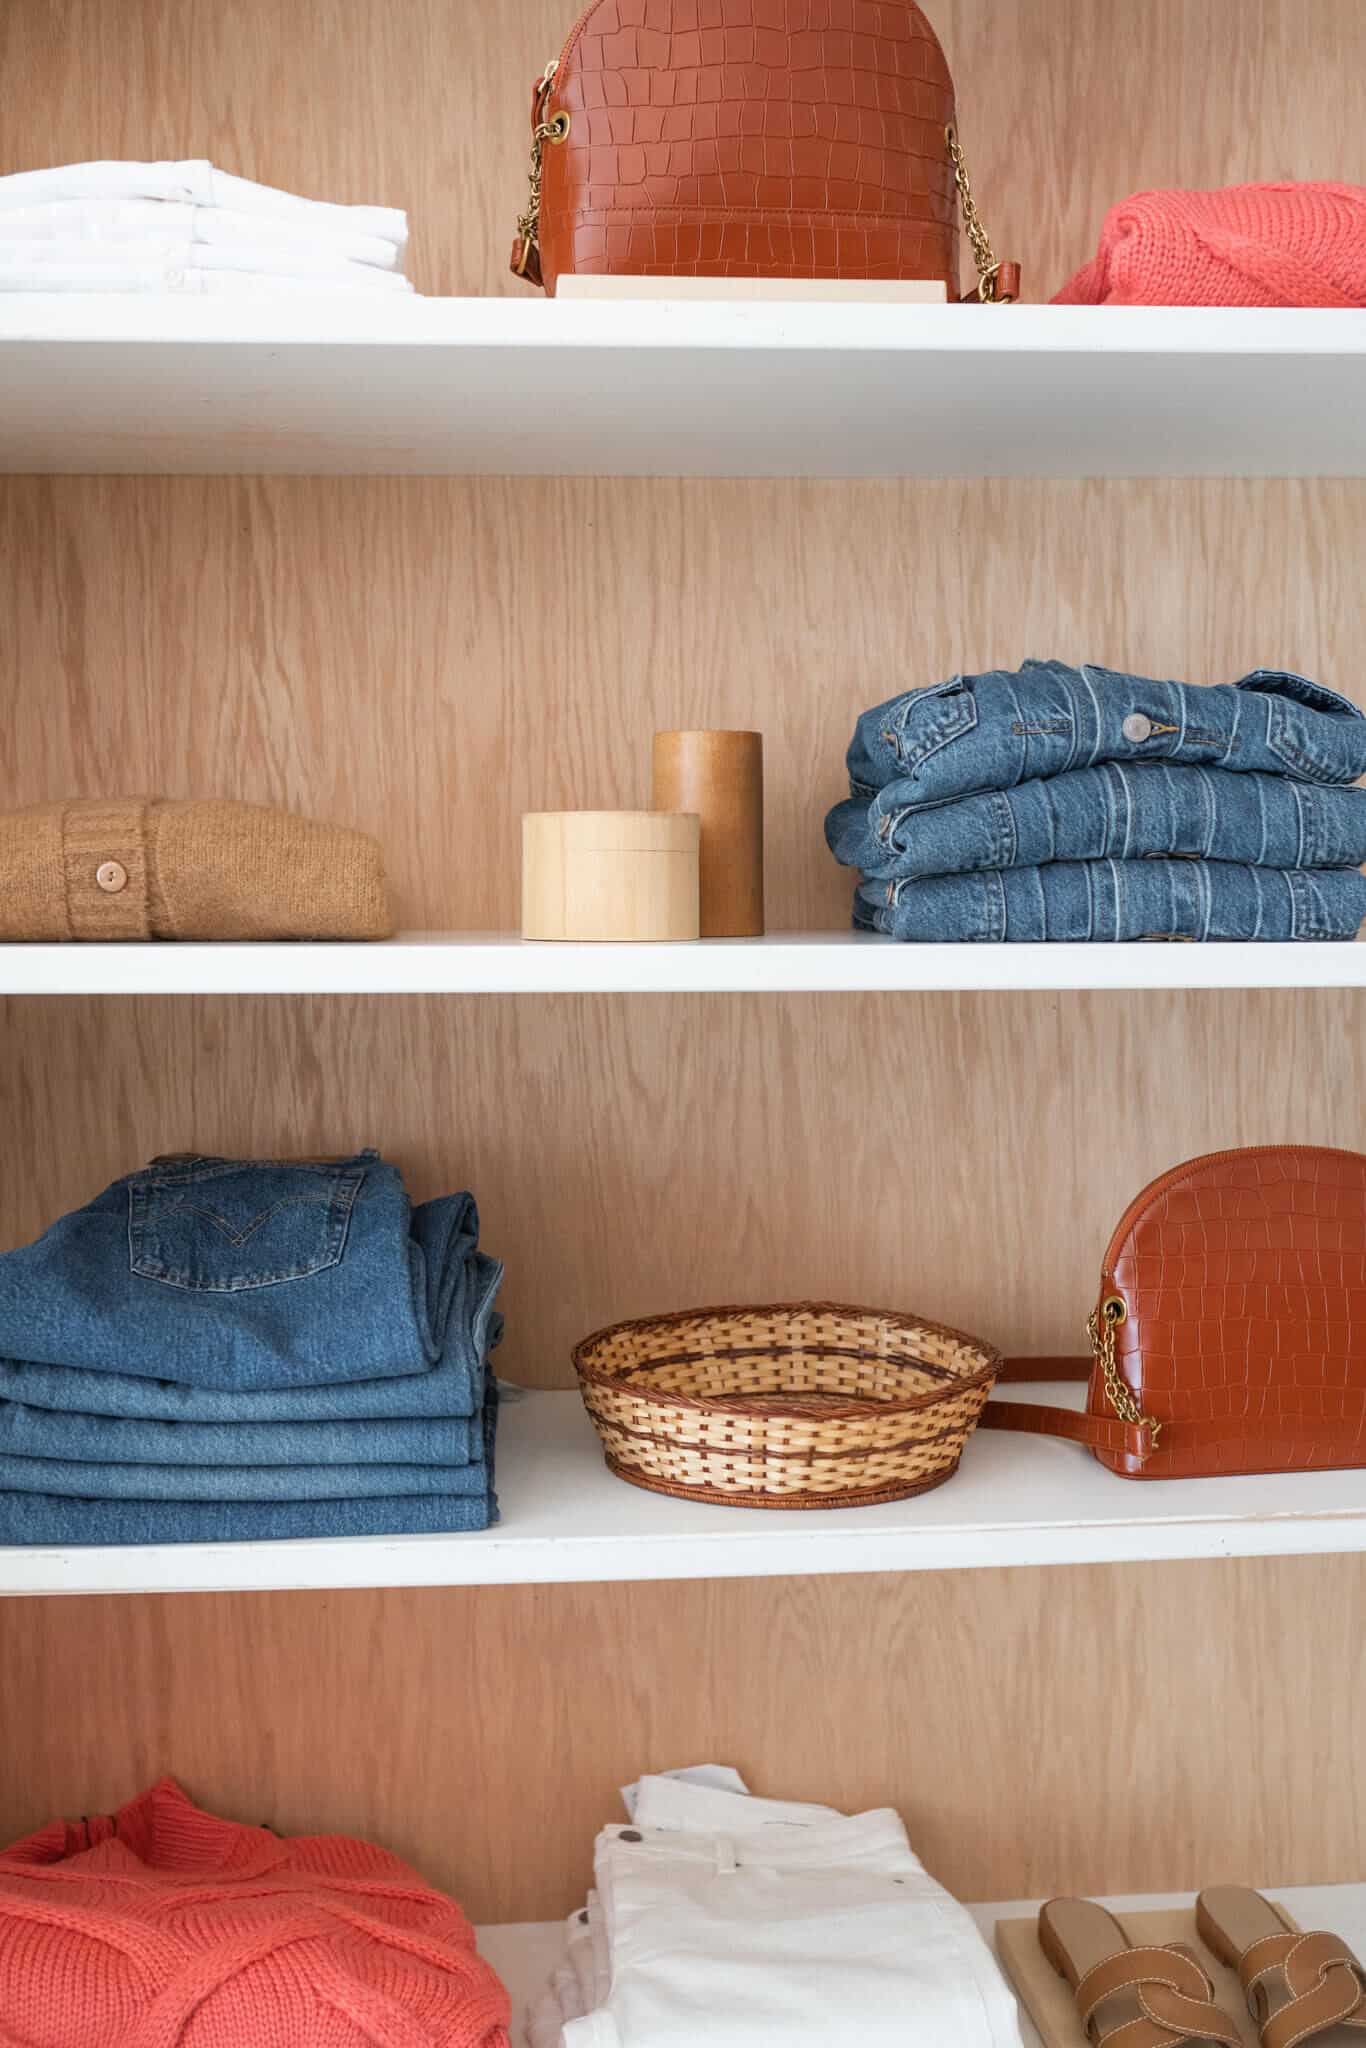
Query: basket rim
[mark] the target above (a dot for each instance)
(777, 1404)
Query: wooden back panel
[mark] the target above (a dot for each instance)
(430, 658)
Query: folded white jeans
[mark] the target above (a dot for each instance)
(580, 1983)
(778, 1933)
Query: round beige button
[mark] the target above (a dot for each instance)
(1137, 727)
(111, 876)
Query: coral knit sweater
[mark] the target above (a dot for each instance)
(1248, 245)
(162, 1927)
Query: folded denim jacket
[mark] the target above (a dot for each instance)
(1114, 900)
(996, 730)
(1112, 811)
(238, 1275)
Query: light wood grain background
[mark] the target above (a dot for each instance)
(430, 658)
(1099, 1728)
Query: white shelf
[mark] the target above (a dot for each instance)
(525, 1955)
(487, 963)
(566, 1519)
(522, 386)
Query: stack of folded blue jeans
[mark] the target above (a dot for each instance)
(220, 1350)
(1058, 803)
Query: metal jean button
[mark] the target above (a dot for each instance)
(1137, 727)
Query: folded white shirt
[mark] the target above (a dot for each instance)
(186, 280)
(182, 252)
(196, 183)
(752, 1923)
(133, 220)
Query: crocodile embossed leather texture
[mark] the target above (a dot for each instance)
(1244, 1277)
(752, 138)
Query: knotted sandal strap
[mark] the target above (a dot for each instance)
(1325, 1983)
(1175, 1997)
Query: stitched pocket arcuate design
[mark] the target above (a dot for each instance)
(224, 1225)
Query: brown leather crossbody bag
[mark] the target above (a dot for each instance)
(734, 139)
(1230, 1332)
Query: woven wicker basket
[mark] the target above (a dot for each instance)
(803, 1405)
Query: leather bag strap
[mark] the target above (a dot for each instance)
(1038, 1418)
(1007, 281)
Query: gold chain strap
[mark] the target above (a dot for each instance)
(553, 130)
(983, 255)
(1101, 1327)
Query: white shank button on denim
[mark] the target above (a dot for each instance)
(1137, 726)
(111, 876)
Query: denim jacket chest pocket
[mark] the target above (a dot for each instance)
(930, 721)
(1319, 736)
(224, 1227)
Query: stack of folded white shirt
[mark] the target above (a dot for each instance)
(186, 227)
(735, 1922)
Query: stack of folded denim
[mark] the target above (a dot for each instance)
(218, 1350)
(189, 228)
(1057, 803)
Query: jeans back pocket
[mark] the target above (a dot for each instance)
(226, 1225)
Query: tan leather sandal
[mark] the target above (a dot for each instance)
(1130, 1997)
(1300, 1987)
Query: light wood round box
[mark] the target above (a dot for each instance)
(603, 875)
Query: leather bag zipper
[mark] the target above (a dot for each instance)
(556, 70)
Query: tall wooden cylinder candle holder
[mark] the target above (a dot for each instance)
(720, 775)
(604, 875)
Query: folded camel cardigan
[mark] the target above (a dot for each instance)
(135, 868)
